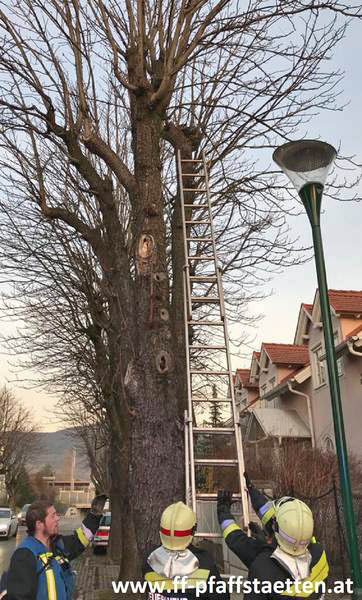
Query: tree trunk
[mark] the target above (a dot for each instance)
(158, 398)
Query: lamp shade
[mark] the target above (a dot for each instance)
(305, 161)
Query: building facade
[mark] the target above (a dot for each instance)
(289, 397)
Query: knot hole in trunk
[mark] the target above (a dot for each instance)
(163, 362)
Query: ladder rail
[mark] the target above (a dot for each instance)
(238, 439)
(236, 423)
(187, 459)
(190, 431)
(189, 409)
(187, 291)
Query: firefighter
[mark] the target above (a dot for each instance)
(40, 566)
(177, 569)
(290, 563)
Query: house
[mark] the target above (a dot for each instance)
(246, 391)
(292, 379)
(70, 491)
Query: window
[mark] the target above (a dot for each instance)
(271, 383)
(319, 369)
(339, 360)
(263, 390)
(329, 444)
(238, 392)
(106, 520)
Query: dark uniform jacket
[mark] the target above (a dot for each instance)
(246, 548)
(266, 569)
(206, 573)
(257, 555)
(23, 579)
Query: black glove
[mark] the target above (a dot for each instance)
(97, 506)
(224, 502)
(247, 480)
(257, 532)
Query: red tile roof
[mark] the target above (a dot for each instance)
(287, 354)
(346, 301)
(308, 307)
(290, 375)
(357, 329)
(244, 376)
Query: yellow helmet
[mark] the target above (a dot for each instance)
(177, 526)
(294, 525)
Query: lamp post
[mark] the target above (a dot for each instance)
(307, 163)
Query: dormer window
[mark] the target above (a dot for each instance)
(319, 369)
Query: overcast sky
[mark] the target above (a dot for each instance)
(341, 221)
(341, 228)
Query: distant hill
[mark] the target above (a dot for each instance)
(56, 446)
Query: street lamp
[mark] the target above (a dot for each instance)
(307, 163)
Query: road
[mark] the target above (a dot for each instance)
(7, 547)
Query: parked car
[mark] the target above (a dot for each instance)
(22, 514)
(8, 523)
(101, 537)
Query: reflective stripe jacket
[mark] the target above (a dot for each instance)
(201, 578)
(263, 566)
(262, 506)
(246, 548)
(266, 569)
(40, 573)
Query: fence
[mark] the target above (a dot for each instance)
(76, 497)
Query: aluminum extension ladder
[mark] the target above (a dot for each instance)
(198, 217)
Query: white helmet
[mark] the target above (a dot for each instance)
(294, 525)
(177, 526)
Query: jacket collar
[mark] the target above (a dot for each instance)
(297, 566)
(170, 563)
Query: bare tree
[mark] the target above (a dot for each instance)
(92, 431)
(93, 95)
(19, 442)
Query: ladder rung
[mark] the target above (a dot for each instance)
(213, 430)
(193, 174)
(198, 239)
(194, 189)
(201, 257)
(204, 278)
(206, 496)
(192, 160)
(205, 299)
(211, 323)
(207, 347)
(209, 372)
(208, 535)
(216, 462)
(209, 399)
(196, 205)
(198, 222)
